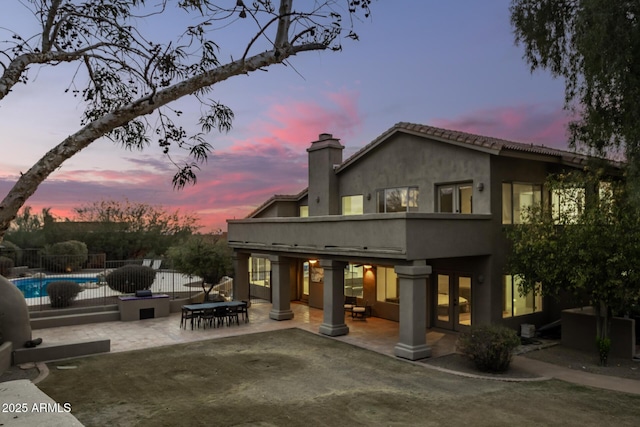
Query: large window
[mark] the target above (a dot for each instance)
(605, 190)
(259, 271)
(353, 205)
(515, 304)
(517, 198)
(455, 198)
(353, 280)
(567, 204)
(401, 199)
(387, 285)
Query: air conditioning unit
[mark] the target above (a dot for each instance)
(527, 330)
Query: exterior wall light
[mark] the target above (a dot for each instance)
(367, 267)
(318, 199)
(480, 186)
(313, 261)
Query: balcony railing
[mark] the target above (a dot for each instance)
(408, 236)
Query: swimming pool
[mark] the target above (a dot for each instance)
(33, 287)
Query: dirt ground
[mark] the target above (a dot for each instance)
(292, 377)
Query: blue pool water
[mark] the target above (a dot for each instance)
(33, 287)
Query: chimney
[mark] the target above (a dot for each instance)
(324, 154)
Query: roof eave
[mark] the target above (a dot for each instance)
(278, 198)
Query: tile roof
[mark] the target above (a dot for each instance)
(496, 145)
(486, 143)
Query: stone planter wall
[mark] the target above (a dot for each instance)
(6, 350)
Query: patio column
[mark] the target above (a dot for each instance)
(413, 312)
(280, 289)
(241, 291)
(333, 305)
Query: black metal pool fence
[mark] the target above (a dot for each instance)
(32, 273)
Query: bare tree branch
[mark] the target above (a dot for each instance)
(130, 77)
(47, 36)
(284, 15)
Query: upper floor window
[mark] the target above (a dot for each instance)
(353, 205)
(401, 199)
(567, 204)
(304, 211)
(455, 198)
(605, 190)
(517, 198)
(606, 195)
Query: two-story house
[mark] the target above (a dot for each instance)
(412, 225)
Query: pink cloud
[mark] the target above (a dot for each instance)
(527, 123)
(235, 180)
(290, 126)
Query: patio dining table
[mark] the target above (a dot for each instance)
(191, 311)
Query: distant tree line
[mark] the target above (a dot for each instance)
(119, 229)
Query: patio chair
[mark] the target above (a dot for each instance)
(361, 312)
(188, 315)
(220, 315)
(207, 316)
(349, 303)
(244, 310)
(233, 315)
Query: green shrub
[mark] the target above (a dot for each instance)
(490, 347)
(65, 257)
(131, 278)
(62, 293)
(11, 250)
(6, 264)
(604, 347)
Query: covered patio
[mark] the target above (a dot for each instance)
(374, 334)
(405, 243)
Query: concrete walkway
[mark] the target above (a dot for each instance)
(24, 405)
(374, 334)
(574, 376)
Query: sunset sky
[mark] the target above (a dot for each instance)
(451, 64)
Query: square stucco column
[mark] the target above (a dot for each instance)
(333, 306)
(280, 289)
(413, 312)
(241, 291)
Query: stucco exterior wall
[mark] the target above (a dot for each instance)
(323, 155)
(470, 245)
(579, 332)
(401, 236)
(517, 170)
(280, 209)
(408, 160)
